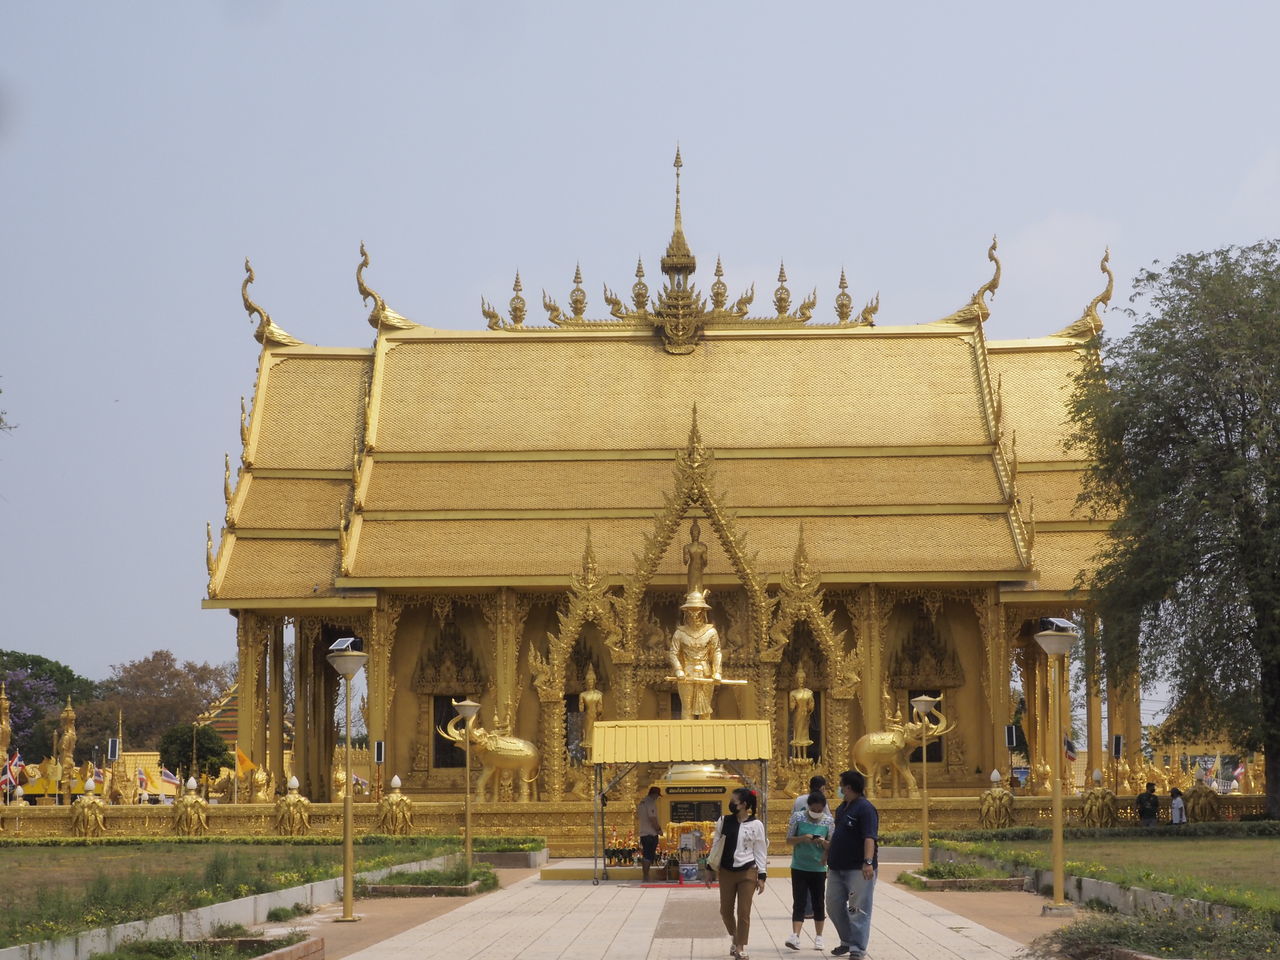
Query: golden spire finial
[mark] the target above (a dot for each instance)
(976, 310)
(679, 258)
(517, 303)
(267, 334)
(381, 315)
(844, 302)
(1090, 323)
(719, 290)
(640, 289)
(782, 296)
(578, 296)
(590, 569)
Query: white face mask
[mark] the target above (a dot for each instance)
(812, 815)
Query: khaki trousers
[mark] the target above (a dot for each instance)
(737, 889)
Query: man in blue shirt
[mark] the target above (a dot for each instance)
(852, 863)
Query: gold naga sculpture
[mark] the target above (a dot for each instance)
(293, 812)
(497, 752)
(995, 806)
(1202, 801)
(875, 751)
(1099, 805)
(190, 816)
(88, 814)
(395, 812)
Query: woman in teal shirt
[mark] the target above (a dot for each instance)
(808, 835)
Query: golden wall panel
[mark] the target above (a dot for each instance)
(541, 394)
(312, 411)
(550, 547)
(598, 484)
(292, 504)
(268, 569)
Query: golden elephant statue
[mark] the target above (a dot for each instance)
(873, 752)
(497, 752)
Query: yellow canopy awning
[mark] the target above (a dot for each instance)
(680, 741)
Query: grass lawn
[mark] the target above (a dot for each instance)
(1246, 865)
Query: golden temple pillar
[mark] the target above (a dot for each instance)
(1096, 750)
(873, 681)
(835, 754)
(380, 645)
(302, 728)
(997, 673)
(553, 744)
(249, 663)
(258, 754)
(275, 705)
(1064, 710)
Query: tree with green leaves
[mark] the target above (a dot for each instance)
(1180, 420)
(211, 752)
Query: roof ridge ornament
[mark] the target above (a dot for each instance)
(381, 316)
(267, 334)
(844, 302)
(976, 310)
(1090, 323)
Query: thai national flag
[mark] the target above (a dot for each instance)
(142, 779)
(1069, 748)
(1239, 771)
(166, 776)
(98, 775)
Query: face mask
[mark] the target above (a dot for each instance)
(733, 807)
(812, 815)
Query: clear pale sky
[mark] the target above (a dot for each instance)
(147, 148)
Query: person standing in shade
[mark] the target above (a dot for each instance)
(851, 866)
(808, 834)
(649, 829)
(1177, 808)
(1148, 806)
(740, 857)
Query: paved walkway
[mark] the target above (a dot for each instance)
(573, 920)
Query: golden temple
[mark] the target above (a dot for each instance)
(887, 510)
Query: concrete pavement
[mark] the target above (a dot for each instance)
(573, 920)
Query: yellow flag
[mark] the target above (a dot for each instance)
(243, 763)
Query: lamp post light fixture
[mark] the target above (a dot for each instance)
(467, 710)
(922, 706)
(347, 656)
(1056, 638)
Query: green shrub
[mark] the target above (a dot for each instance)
(1165, 933)
(454, 875)
(221, 931)
(951, 870)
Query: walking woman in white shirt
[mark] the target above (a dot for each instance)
(740, 852)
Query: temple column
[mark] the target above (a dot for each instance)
(275, 706)
(302, 708)
(380, 646)
(997, 673)
(1064, 710)
(1096, 750)
(553, 745)
(873, 630)
(836, 750)
(249, 664)
(322, 736)
(265, 630)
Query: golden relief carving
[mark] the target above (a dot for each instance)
(267, 333)
(995, 807)
(976, 310)
(88, 816)
(925, 661)
(190, 814)
(381, 317)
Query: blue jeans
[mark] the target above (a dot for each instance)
(849, 907)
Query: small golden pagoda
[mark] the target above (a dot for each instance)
(505, 513)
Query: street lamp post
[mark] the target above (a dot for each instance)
(467, 710)
(923, 705)
(347, 657)
(1056, 638)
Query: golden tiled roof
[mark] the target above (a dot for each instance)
(622, 392)
(550, 547)
(291, 503)
(270, 568)
(312, 409)
(678, 741)
(1054, 493)
(1061, 555)
(754, 482)
(1036, 387)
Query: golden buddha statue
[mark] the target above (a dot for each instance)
(591, 705)
(695, 559)
(800, 703)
